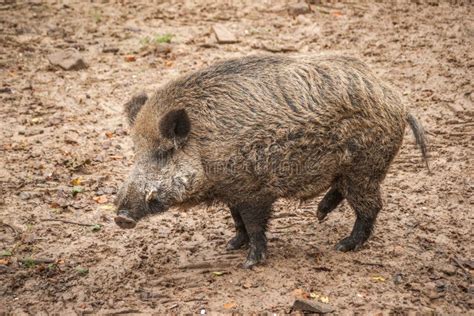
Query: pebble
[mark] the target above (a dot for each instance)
(312, 306)
(25, 196)
(4, 269)
(68, 59)
(448, 269)
(397, 278)
(223, 35)
(299, 8)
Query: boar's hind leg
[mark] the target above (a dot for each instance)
(366, 205)
(241, 237)
(255, 217)
(329, 202)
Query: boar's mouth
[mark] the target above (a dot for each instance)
(124, 220)
(128, 218)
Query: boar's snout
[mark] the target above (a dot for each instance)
(124, 220)
(134, 203)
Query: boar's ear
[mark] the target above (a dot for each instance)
(175, 124)
(132, 107)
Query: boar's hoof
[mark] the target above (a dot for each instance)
(321, 215)
(124, 221)
(239, 241)
(255, 257)
(348, 244)
(250, 263)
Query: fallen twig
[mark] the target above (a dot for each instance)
(36, 260)
(459, 264)
(375, 264)
(66, 222)
(11, 227)
(195, 300)
(205, 265)
(200, 265)
(121, 311)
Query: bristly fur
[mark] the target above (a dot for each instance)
(260, 128)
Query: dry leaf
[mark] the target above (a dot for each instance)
(320, 297)
(378, 278)
(76, 181)
(101, 199)
(300, 293)
(218, 273)
(4, 261)
(107, 207)
(230, 305)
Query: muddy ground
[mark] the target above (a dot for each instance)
(64, 151)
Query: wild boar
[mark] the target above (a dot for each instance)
(249, 130)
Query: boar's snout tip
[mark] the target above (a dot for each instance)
(123, 220)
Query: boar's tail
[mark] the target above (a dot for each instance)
(420, 138)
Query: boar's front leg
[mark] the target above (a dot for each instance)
(255, 218)
(241, 237)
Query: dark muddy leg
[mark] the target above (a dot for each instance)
(241, 238)
(329, 202)
(255, 217)
(366, 206)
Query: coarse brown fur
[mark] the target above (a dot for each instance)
(250, 130)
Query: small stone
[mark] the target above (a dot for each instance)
(457, 108)
(25, 196)
(223, 35)
(448, 269)
(433, 294)
(283, 49)
(163, 49)
(4, 269)
(397, 278)
(299, 8)
(68, 59)
(68, 139)
(398, 250)
(312, 306)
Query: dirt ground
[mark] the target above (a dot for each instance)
(64, 152)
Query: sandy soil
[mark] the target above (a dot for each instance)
(64, 151)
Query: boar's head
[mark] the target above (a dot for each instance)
(167, 170)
